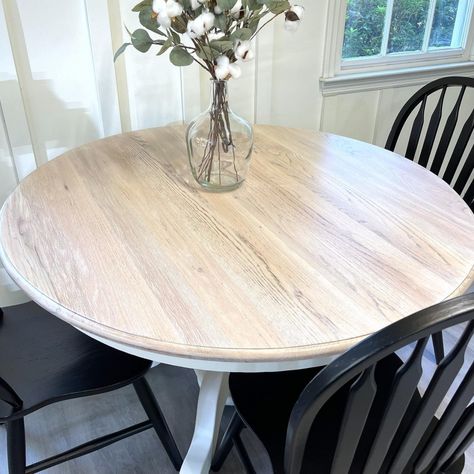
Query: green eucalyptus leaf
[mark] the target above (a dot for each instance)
(242, 34)
(141, 40)
(273, 3)
(275, 6)
(278, 7)
(175, 36)
(147, 20)
(221, 45)
(142, 5)
(180, 57)
(253, 5)
(220, 22)
(226, 4)
(253, 25)
(121, 50)
(206, 53)
(166, 45)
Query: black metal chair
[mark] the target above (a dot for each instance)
(44, 360)
(364, 412)
(432, 157)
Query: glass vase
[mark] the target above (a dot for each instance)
(219, 143)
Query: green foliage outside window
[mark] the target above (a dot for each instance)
(444, 21)
(408, 25)
(365, 21)
(364, 28)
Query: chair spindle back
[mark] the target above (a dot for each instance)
(408, 437)
(456, 173)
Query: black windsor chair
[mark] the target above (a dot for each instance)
(43, 360)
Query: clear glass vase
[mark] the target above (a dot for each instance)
(219, 144)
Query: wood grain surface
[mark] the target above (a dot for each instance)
(329, 240)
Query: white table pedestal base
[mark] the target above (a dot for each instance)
(213, 396)
(212, 399)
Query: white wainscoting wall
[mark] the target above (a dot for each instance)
(59, 87)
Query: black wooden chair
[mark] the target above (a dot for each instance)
(364, 412)
(456, 173)
(44, 360)
(432, 157)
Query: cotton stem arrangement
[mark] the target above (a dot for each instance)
(217, 35)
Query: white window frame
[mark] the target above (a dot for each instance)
(344, 75)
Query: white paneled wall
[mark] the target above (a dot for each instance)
(369, 115)
(154, 84)
(59, 87)
(340, 111)
(14, 141)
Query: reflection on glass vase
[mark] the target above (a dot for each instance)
(219, 144)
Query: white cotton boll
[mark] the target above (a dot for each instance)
(173, 9)
(222, 72)
(208, 19)
(195, 4)
(291, 25)
(218, 10)
(196, 28)
(293, 17)
(243, 52)
(223, 61)
(299, 10)
(164, 20)
(166, 11)
(235, 71)
(159, 6)
(250, 56)
(200, 25)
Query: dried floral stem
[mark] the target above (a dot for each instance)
(219, 138)
(265, 24)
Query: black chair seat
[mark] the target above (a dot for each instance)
(268, 415)
(45, 360)
(365, 413)
(264, 402)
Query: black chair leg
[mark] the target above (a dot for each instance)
(438, 346)
(235, 427)
(16, 449)
(153, 410)
(243, 455)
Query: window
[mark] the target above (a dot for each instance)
(373, 44)
(389, 27)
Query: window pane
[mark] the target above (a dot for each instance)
(407, 30)
(443, 24)
(364, 28)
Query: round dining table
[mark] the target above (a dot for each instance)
(328, 240)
